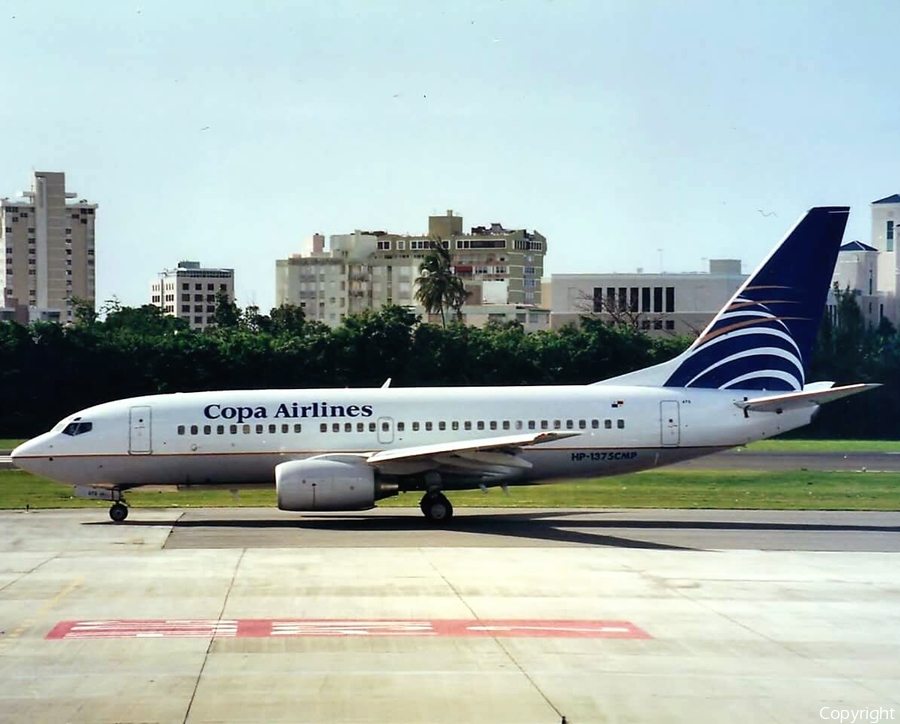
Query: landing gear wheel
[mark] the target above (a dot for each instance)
(118, 512)
(436, 507)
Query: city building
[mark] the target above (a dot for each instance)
(189, 291)
(665, 303)
(48, 237)
(366, 269)
(856, 271)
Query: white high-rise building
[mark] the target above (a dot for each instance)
(48, 238)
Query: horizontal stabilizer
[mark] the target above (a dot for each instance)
(485, 444)
(804, 398)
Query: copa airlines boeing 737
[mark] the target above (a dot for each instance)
(743, 379)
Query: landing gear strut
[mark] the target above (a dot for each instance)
(436, 507)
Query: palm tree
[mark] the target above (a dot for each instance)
(438, 286)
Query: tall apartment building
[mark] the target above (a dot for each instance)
(367, 269)
(49, 243)
(189, 291)
(666, 303)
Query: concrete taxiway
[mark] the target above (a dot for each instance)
(259, 616)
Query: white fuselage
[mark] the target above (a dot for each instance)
(238, 437)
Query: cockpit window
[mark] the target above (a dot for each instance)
(78, 428)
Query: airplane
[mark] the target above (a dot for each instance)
(743, 379)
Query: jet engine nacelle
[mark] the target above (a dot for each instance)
(325, 485)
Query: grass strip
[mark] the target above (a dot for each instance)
(658, 489)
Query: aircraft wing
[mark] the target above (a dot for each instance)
(812, 395)
(473, 449)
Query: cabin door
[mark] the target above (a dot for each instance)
(670, 423)
(139, 442)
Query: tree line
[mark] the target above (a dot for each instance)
(48, 371)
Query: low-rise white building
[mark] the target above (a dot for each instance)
(665, 303)
(189, 291)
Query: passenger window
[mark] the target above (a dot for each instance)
(557, 424)
(595, 424)
(467, 424)
(506, 424)
(428, 426)
(401, 426)
(385, 427)
(415, 427)
(73, 425)
(323, 427)
(246, 429)
(570, 425)
(232, 429)
(273, 429)
(481, 424)
(545, 425)
(348, 427)
(298, 427)
(335, 427)
(582, 424)
(518, 424)
(194, 429)
(207, 429)
(371, 427)
(607, 424)
(220, 429)
(620, 424)
(493, 424)
(442, 425)
(260, 429)
(531, 425)
(360, 427)
(285, 428)
(454, 425)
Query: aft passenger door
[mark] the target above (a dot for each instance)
(670, 423)
(139, 442)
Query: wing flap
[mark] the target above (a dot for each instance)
(484, 445)
(806, 397)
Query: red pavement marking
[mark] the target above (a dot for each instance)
(308, 627)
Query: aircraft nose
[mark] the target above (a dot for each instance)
(23, 453)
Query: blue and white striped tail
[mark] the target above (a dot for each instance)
(763, 339)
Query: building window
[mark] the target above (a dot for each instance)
(657, 299)
(670, 299)
(889, 235)
(185, 286)
(670, 324)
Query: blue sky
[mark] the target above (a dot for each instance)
(226, 132)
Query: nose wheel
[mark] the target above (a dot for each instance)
(118, 512)
(436, 507)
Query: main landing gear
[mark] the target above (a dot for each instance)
(118, 512)
(436, 507)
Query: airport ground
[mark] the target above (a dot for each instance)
(252, 615)
(519, 615)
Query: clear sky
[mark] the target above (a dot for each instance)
(227, 131)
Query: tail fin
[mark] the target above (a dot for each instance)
(763, 338)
